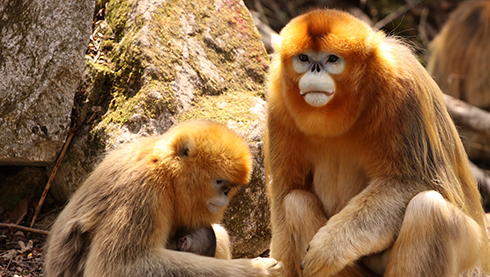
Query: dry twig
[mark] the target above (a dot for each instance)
(394, 15)
(71, 133)
(23, 228)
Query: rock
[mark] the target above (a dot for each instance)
(168, 62)
(247, 216)
(18, 183)
(42, 45)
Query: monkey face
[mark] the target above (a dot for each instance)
(315, 84)
(220, 195)
(209, 162)
(322, 64)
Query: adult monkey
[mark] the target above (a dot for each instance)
(363, 160)
(120, 219)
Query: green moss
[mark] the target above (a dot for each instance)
(101, 77)
(127, 63)
(154, 107)
(117, 16)
(100, 81)
(123, 109)
(225, 40)
(230, 106)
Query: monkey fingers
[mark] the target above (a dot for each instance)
(320, 261)
(356, 231)
(271, 267)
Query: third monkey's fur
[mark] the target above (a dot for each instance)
(460, 54)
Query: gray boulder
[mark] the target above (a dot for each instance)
(158, 63)
(42, 45)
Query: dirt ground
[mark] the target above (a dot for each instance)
(21, 253)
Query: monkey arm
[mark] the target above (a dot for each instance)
(296, 216)
(286, 169)
(110, 259)
(367, 225)
(162, 262)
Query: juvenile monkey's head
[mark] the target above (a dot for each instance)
(321, 58)
(209, 163)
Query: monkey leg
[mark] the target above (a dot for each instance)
(436, 239)
(222, 243)
(301, 217)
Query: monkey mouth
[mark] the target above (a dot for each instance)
(328, 93)
(214, 207)
(317, 98)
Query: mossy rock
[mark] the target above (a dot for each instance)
(170, 62)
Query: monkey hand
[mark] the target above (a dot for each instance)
(324, 257)
(270, 267)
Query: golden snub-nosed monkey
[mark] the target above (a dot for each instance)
(201, 241)
(139, 197)
(460, 54)
(365, 167)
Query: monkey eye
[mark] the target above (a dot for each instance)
(332, 59)
(223, 185)
(303, 57)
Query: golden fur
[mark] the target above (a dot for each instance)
(460, 54)
(357, 176)
(123, 215)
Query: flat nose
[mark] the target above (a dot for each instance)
(315, 67)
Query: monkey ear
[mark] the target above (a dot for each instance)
(276, 41)
(184, 147)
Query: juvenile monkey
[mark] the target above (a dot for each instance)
(366, 172)
(122, 217)
(200, 241)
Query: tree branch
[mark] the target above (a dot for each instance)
(467, 115)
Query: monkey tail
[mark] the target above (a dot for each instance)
(68, 253)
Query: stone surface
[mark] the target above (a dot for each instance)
(42, 45)
(247, 216)
(18, 183)
(171, 61)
